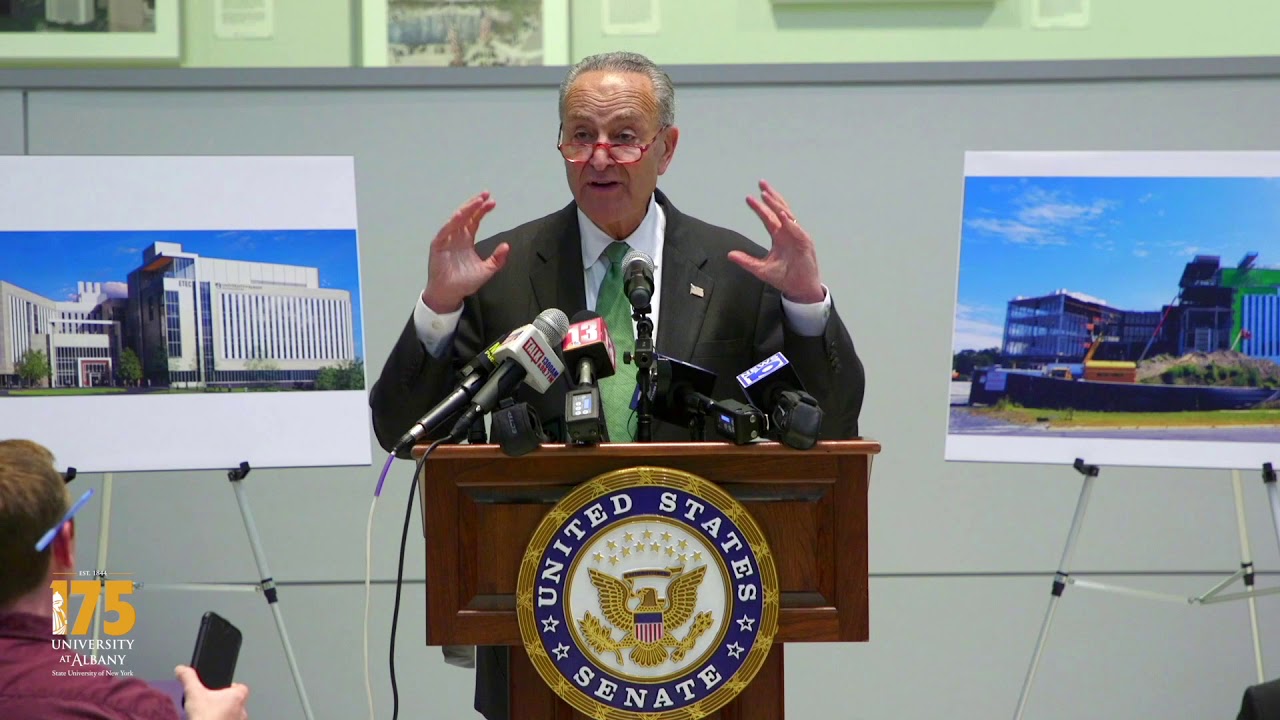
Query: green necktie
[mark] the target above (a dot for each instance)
(617, 389)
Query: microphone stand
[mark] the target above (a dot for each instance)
(698, 426)
(643, 359)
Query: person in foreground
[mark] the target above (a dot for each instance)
(36, 681)
(720, 301)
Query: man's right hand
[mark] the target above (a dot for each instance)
(201, 703)
(455, 271)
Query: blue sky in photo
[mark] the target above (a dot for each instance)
(51, 263)
(1122, 240)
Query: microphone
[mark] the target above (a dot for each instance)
(516, 428)
(589, 352)
(737, 422)
(637, 278)
(676, 381)
(683, 398)
(472, 375)
(588, 349)
(529, 354)
(794, 416)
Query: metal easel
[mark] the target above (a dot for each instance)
(1062, 578)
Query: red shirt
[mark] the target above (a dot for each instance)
(29, 688)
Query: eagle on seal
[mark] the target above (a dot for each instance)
(647, 626)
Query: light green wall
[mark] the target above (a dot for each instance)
(321, 33)
(307, 33)
(758, 31)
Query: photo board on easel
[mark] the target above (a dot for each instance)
(1118, 306)
(166, 313)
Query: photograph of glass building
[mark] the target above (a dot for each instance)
(228, 322)
(1216, 308)
(183, 321)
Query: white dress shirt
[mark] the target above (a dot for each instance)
(435, 330)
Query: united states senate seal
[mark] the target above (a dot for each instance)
(647, 594)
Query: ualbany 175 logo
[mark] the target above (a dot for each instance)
(114, 602)
(647, 593)
(97, 655)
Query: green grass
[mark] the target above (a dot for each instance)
(66, 391)
(1083, 418)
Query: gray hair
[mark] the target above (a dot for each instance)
(627, 62)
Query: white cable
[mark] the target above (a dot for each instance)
(368, 572)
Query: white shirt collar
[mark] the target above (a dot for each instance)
(647, 238)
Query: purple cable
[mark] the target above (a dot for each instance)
(383, 477)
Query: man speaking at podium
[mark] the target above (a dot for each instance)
(720, 301)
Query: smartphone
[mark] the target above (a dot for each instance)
(217, 649)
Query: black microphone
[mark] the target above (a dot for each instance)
(589, 352)
(472, 375)
(795, 419)
(737, 422)
(530, 354)
(516, 428)
(637, 279)
(675, 381)
(683, 397)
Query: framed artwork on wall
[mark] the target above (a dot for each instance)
(73, 31)
(465, 33)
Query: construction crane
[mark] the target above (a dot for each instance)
(1106, 370)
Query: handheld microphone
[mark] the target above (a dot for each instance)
(588, 351)
(794, 416)
(637, 279)
(472, 375)
(530, 354)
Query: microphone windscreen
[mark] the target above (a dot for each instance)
(553, 324)
(641, 256)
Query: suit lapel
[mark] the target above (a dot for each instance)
(683, 308)
(557, 264)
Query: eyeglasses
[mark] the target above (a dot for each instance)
(621, 153)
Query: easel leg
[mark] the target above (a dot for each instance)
(104, 534)
(1246, 565)
(268, 583)
(1059, 579)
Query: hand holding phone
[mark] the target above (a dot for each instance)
(217, 649)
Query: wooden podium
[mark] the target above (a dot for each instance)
(480, 509)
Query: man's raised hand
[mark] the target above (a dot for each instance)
(792, 263)
(454, 269)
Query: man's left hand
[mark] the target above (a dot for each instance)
(792, 263)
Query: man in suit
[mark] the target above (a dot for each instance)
(720, 302)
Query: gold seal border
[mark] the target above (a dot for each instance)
(622, 479)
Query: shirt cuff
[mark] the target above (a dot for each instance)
(435, 330)
(808, 319)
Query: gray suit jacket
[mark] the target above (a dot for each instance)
(736, 322)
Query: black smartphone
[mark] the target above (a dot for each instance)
(217, 649)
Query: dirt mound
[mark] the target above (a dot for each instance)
(1224, 368)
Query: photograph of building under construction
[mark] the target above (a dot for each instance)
(1119, 307)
